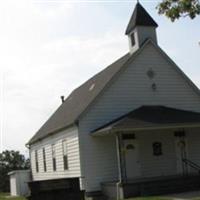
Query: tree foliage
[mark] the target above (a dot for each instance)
(174, 9)
(10, 161)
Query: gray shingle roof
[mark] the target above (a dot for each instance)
(152, 117)
(78, 101)
(140, 17)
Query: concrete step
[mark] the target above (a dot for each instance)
(162, 187)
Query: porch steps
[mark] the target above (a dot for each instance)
(160, 187)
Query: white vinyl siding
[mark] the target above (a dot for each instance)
(130, 90)
(151, 165)
(101, 163)
(71, 136)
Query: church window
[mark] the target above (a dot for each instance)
(133, 39)
(157, 149)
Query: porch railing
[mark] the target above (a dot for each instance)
(191, 164)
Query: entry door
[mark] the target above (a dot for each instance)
(181, 153)
(131, 158)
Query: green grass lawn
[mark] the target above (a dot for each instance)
(6, 197)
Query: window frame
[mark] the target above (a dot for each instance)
(132, 37)
(44, 159)
(36, 161)
(65, 155)
(53, 146)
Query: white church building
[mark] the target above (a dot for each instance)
(133, 129)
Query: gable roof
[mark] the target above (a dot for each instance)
(140, 17)
(79, 100)
(151, 117)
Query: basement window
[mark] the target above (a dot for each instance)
(54, 157)
(65, 155)
(157, 149)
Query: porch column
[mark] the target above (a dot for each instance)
(119, 156)
(120, 193)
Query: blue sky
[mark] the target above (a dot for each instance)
(50, 47)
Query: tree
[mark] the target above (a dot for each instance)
(9, 161)
(174, 9)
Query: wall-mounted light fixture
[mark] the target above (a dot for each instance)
(154, 87)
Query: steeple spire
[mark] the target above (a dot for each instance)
(140, 28)
(140, 17)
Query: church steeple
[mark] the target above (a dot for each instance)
(141, 27)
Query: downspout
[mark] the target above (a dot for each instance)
(29, 148)
(119, 183)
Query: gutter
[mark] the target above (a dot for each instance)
(51, 133)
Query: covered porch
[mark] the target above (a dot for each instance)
(158, 152)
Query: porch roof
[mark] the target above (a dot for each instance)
(151, 117)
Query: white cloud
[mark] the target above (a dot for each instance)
(39, 66)
(25, 27)
(32, 92)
